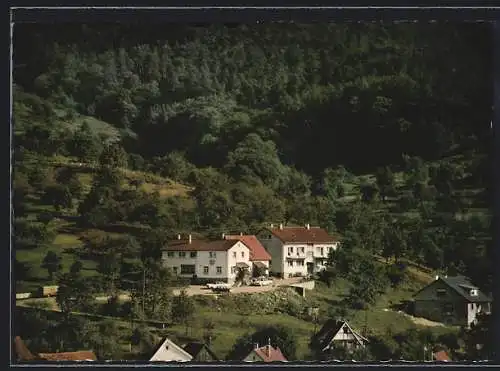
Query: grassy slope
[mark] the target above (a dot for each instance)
(228, 326)
(69, 236)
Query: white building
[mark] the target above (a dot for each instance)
(297, 251)
(259, 257)
(168, 351)
(206, 260)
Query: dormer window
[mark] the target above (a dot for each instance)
(473, 292)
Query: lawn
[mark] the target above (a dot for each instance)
(229, 327)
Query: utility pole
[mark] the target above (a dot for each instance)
(365, 327)
(143, 288)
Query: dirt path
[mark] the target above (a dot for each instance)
(418, 320)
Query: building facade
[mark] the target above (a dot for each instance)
(451, 300)
(297, 251)
(206, 261)
(259, 257)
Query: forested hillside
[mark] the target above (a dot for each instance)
(379, 133)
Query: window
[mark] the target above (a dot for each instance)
(242, 254)
(193, 254)
(187, 269)
(448, 307)
(205, 269)
(234, 254)
(346, 330)
(291, 249)
(440, 292)
(290, 263)
(233, 270)
(302, 249)
(175, 270)
(322, 251)
(170, 254)
(212, 254)
(219, 270)
(182, 254)
(300, 262)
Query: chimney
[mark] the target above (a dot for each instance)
(241, 233)
(269, 347)
(178, 236)
(272, 225)
(308, 226)
(256, 345)
(223, 236)
(281, 225)
(190, 239)
(437, 277)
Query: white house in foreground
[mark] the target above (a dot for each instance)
(206, 260)
(168, 351)
(297, 251)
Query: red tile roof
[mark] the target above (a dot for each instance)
(199, 245)
(257, 251)
(303, 235)
(441, 356)
(84, 355)
(270, 354)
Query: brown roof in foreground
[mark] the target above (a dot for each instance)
(199, 245)
(22, 351)
(270, 354)
(303, 235)
(84, 355)
(257, 251)
(441, 356)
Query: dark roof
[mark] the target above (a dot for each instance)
(22, 351)
(194, 348)
(462, 285)
(84, 355)
(331, 327)
(242, 265)
(199, 245)
(257, 251)
(303, 235)
(270, 354)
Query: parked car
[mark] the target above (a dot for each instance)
(261, 281)
(211, 285)
(221, 288)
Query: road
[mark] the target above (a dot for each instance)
(192, 290)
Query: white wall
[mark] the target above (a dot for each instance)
(211, 260)
(170, 352)
(315, 253)
(239, 253)
(274, 248)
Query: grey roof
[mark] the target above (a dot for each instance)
(462, 285)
